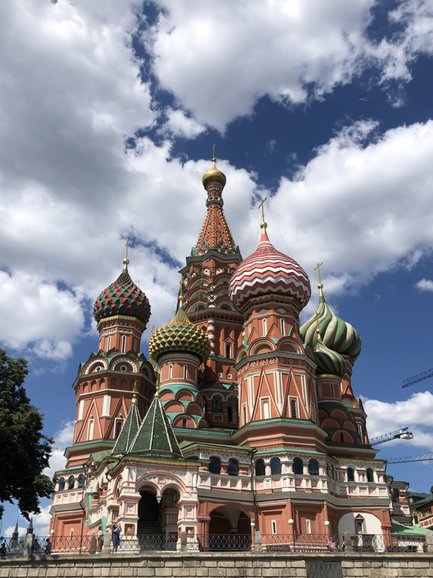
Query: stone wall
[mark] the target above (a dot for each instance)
(234, 564)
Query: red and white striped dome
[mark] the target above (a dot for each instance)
(268, 271)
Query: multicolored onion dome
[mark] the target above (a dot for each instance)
(268, 271)
(328, 362)
(214, 175)
(123, 297)
(179, 335)
(336, 334)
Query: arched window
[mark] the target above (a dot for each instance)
(350, 475)
(214, 465)
(117, 427)
(71, 482)
(81, 480)
(123, 345)
(91, 428)
(217, 404)
(233, 467)
(62, 484)
(275, 466)
(293, 409)
(298, 466)
(313, 467)
(370, 475)
(260, 467)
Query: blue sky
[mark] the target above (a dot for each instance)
(108, 113)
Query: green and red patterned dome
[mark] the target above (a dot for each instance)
(268, 271)
(338, 335)
(180, 335)
(123, 297)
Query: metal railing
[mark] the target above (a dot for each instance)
(321, 543)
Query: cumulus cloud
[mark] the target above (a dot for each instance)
(381, 186)
(425, 285)
(218, 59)
(415, 412)
(39, 315)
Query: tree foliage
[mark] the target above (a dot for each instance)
(24, 450)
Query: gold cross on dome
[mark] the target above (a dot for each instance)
(261, 206)
(317, 268)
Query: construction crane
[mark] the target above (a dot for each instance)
(406, 459)
(417, 378)
(403, 434)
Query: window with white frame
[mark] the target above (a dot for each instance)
(81, 409)
(123, 344)
(106, 406)
(91, 429)
(265, 326)
(308, 526)
(273, 526)
(282, 326)
(265, 408)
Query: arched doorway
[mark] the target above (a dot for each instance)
(229, 529)
(157, 519)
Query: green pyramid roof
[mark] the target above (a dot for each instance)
(156, 438)
(128, 431)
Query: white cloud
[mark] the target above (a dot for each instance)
(218, 59)
(181, 125)
(415, 413)
(38, 314)
(62, 439)
(369, 200)
(425, 285)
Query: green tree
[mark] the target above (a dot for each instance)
(24, 450)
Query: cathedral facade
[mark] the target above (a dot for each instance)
(241, 423)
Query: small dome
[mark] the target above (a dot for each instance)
(214, 175)
(123, 297)
(329, 362)
(336, 334)
(268, 271)
(180, 335)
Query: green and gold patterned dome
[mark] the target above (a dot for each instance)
(337, 334)
(328, 362)
(180, 335)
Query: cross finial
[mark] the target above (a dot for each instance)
(319, 279)
(214, 160)
(126, 260)
(261, 206)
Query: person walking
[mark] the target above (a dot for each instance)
(115, 537)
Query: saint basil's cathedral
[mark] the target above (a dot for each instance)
(241, 422)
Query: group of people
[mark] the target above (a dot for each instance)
(115, 538)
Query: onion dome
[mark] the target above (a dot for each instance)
(214, 175)
(123, 297)
(180, 335)
(268, 271)
(336, 334)
(328, 362)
